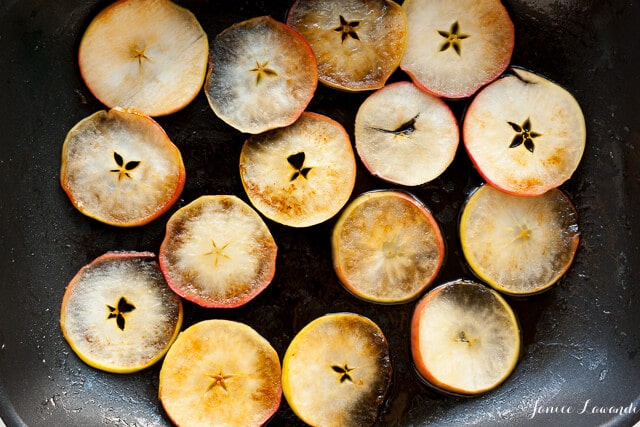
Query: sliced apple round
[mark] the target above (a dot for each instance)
(300, 175)
(358, 44)
(404, 135)
(150, 55)
(118, 314)
(456, 47)
(218, 252)
(121, 168)
(337, 371)
(262, 75)
(387, 247)
(519, 245)
(223, 373)
(524, 133)
(465, 338)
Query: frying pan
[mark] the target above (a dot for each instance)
(581, 339)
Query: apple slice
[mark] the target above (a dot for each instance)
(465, 339)
(300, 175)
(218, 252)
(387, 247)
(358, 43)
(223, 373)
(456, 47)
(121, 168)
(262, 75)
(118, 314)
(337, 371)
(404, 135)
(150, 55)
(519, 245)
(524, 133)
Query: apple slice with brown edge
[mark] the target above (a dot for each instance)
(405, 135)
(456, 47)
(300, 175)
(387, 247)
(118, 314)
(149, 55)
(337, 371)
(218, 252)
(519, 245)
(262, 74)
(220, 372)
(465, 338)
(120, 167)
(358, 44)
(524, 133)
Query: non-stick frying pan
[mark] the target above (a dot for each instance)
(581, 339)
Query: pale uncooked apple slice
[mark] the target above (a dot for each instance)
(150, 55)
(358, 43)
(300, 175)
(118, 314)
(404, 135)
(465, 338)
(387, 247)
(120, 167)
(456, 47)
(519, 245)
(222, 373)
(337, 371)
(218, 252)
(262, 75)
(524, 133)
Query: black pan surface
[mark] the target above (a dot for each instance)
(581, 339)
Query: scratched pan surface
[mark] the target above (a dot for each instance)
(581, 339)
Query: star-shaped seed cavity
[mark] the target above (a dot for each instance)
(262, 71)
(347, 29)
(297, 163)
(344, 372)
(123, 169)
(453, 38)
(119, 312)
(524, 135)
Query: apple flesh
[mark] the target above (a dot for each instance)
(519, 245)
(120, 167)
(300, 175)
(337, 371)
(118, 314)
(405, 135)
(220, 372)
(358, 44)
(149, 55)
(262, 74)
(456, 47)
(218, 252)
(465, 338)
(387, 247)
(524, 133)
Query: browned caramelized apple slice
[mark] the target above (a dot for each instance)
(118, 314)
(358, 43)
(300, 175)
(223, 373)
(262, 75)
(387, 247)
(121, 168)
(218, 252)
(337, 370)
(150, 55)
